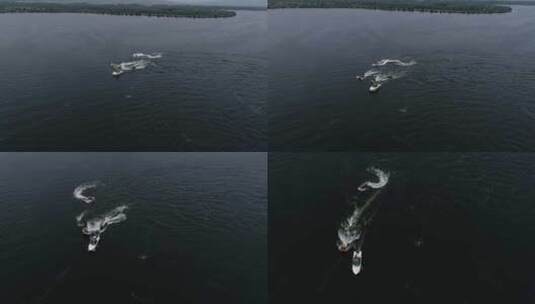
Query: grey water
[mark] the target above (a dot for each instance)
(207, 92)
(195, 229)
(471, 88)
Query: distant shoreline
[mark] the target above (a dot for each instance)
(159, 10)
(442, 7)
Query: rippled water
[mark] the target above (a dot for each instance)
(471, 90)
(448, 228)
(207, 92)
(195, 228)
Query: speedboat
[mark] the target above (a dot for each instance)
(356, 263)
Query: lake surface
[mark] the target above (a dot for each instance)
(471, 88)
(447, 228)
(207, 92)
(195, 228)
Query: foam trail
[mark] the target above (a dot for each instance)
(383, 62)
(96, 226)
(79, 192)
(384, 77)
(133, 65)
(381, 175)
(368, 73)
(79, 218)
(351, 229)
(384, 72)
(143, 62)
(348, 233)
(118, 69)
(147, 56)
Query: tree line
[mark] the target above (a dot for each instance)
(116, 9)
(451, 6)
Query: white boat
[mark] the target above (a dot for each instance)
(356, 264)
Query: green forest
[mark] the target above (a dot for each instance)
(453, 6)
(157, 10)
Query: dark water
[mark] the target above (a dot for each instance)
(449, 228)
(471, 90)
(195, 230)
(207, 93)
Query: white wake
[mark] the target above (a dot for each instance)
(353, 228)
(398, 62)
(79, 192)
(385, 70)
(94, 227)
(147, 56)
(143, 60)
(382, 180)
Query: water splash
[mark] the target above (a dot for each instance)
(94, 227)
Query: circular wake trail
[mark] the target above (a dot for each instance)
(352, 229)
(385, 70)
(380, 183)
(79, 192)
